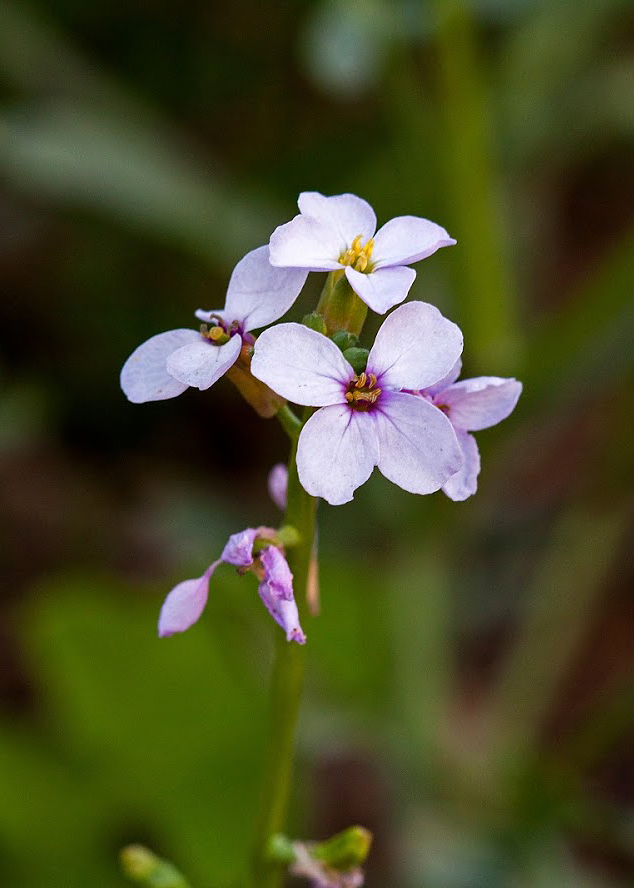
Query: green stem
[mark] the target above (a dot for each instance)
(287, 684)
(290, 422)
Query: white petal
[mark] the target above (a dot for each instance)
(446, 381)
(465, 482)
(415, 347)
(305, 243)
(336, 453)
(301, 365)
(482, 402)
(144, 375)
(381, 289)
(202, 363)
(185, 603)
(408, 239)
(418, 449)
(259, 293)
(346, 214)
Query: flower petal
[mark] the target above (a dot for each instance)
(278, 484)
(415, 347)
(408, 239)
(305, 243)
(202, 363)
(239, 548)
(276, 591)
(418, 449)
(144, 375)
(383, 288)
(336, 453)
(446, 381)
(465, 482)
(301, 365)
(481, 402)
(185, 603)
(258, 293)
(346, 214)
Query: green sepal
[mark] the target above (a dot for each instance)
(357, 358)
(288, 536)
(344, 340)
(280, 849)
(143, 866)
(345, 850)
(315, 322)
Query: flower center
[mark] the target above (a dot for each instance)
(362, 392)
(220, 332)
(358, 256)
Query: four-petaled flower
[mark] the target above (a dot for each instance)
(338, 234)
(186, 601)
(368, 419)
(168, 363)
(471, 405)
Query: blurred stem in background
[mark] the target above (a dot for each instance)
(488, 310)
(287, 685)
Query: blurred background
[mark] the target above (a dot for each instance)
(471, 678)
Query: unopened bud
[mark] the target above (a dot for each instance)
(143, 866)
(345, 850)
(357, 358)
(315, 322)
(344, 340)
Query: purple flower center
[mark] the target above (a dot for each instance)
(362, 392)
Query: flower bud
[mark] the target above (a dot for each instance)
(357, 358)
(143, 866)
(344, 850)
(344, 340)
(315, 322)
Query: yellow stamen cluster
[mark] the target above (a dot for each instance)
(357, 256)
(363, 391)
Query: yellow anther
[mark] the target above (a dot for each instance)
(349, 397)
(371, 380)
(356, 255)
(360, 383)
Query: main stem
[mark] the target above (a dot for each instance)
(286, 691)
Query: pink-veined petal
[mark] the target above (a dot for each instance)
(465, 482)
(144, 375)
(479, 403)
(305, 243)
(258, 293)
(418, 449)
(415, 347)
(383, 288)
(346, 214)
(278, 484)
(202, 363)
(336, 453)
(446, 381)
(301, 365)
(239, 548)
(185, 603)
(276, 591)
(408, 239)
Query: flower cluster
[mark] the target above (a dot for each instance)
(397, 406)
